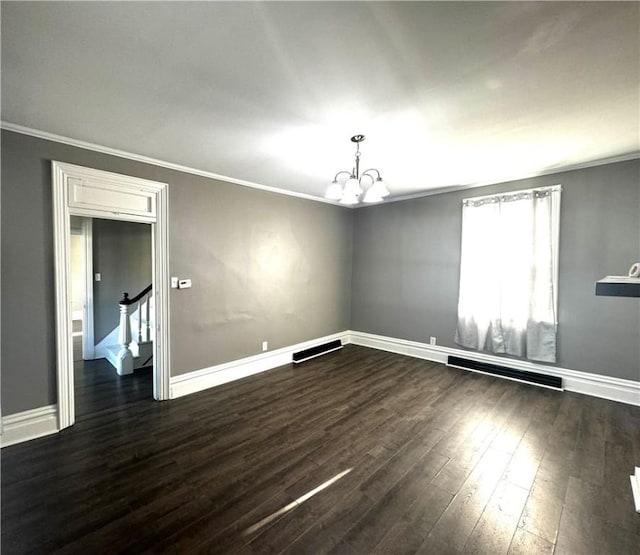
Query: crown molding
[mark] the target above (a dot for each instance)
(517, 177)
(8, 126)
(203, 173)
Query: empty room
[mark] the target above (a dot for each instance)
(320, 277)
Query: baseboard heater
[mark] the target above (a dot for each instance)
(316, 351)
(543, 380)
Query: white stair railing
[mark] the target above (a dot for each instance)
(142, 329)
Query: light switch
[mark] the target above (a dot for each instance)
(184, 284)
(174, 283)
(98, 277)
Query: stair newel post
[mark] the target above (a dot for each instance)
(125, 356)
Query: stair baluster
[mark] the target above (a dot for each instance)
(138, 334)
(144, 317)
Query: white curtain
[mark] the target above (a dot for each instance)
(508, 274)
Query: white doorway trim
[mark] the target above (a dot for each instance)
(81, 191)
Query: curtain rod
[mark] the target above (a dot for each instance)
(516, 191)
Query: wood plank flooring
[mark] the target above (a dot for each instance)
(358, 451)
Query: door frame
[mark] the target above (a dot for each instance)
(81, 191)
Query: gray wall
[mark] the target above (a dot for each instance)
(407, 257)
(122, 255)
(264, 267)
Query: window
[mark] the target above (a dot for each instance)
(509, 273)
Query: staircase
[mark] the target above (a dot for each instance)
(135, 333)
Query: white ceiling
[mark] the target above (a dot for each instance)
(447, 93)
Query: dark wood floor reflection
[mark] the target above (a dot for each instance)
(358, 451)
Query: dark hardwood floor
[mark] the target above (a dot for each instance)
(359, 451)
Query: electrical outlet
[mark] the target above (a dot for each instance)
(432, 340)
(265, 345)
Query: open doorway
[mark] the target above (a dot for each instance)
(108, 260)
(87, 192)
(78, 287)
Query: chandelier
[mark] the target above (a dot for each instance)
(350, 192)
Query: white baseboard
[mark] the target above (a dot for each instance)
(29, 424)
(200, 380)
(43, 421)
(596, 385)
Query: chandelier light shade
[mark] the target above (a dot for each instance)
(351, 192)
(334, 191)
